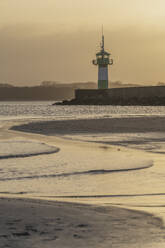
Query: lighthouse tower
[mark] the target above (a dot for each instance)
(103, 60)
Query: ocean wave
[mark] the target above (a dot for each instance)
(89, 172)
(109, 196)
(22, 148)
(96, 196)
(15, 193)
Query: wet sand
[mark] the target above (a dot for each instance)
(45, 224)
(92, 126)
(37, 223)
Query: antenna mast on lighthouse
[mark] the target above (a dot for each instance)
(102, 61)
(102, 45)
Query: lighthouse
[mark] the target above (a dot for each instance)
(102, 61)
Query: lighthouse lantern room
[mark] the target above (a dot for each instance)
(102, 61)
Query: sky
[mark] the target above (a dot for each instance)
(56, 40)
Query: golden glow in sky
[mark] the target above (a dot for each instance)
(57, 39)
(75, 13)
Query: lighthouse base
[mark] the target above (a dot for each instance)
(103, 84)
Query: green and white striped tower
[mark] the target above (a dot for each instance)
(103, 60)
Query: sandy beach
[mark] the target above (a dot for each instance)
(36, 223)
(102, 125)
(42, 223)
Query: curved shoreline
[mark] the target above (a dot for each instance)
(104, 125)
(24, 148)
(130, 236)
(29, 155)
(61, 224)
(92, 172)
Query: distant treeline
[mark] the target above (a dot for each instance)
(46, 91)
(36, 93)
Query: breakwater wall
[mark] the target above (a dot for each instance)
(152, 95)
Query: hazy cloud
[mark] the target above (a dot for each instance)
(29, 55)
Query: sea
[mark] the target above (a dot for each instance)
(86, 168)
